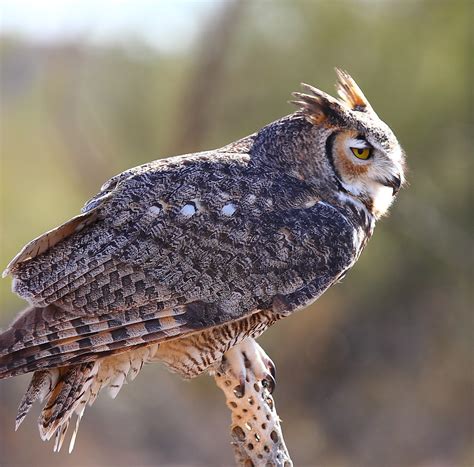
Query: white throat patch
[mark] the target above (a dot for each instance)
(382, 197)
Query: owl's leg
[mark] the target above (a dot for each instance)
(249, 355)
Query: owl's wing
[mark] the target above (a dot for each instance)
(47, 240)
(172, 251)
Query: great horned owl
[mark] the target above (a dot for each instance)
(184, 259)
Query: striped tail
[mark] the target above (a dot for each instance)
(48, 337)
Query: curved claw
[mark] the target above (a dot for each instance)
(269, 383)
(272, 369)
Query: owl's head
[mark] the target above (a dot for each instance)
(366, 159)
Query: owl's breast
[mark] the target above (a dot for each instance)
(192, 355)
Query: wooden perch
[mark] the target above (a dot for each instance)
(256, 431)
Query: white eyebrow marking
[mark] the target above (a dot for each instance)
(358, 143)
(228, 209)
(188, 210)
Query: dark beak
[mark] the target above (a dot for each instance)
(394, 182)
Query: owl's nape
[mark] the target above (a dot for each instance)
(181, 260)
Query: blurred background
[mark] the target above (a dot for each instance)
(379, 372)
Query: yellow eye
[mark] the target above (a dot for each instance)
(362, 153)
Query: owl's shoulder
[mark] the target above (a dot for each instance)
(173, 176)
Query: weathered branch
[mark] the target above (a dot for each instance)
(256, 431)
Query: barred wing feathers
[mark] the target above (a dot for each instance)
(166, 250)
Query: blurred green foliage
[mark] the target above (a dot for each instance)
(378, 371)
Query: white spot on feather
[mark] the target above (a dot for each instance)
(229, 209)
(310, 203)
(155, 210)
(188, 210)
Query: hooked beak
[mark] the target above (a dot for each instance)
(394, 182)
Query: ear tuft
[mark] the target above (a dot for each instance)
(317, 106)
(350, 94)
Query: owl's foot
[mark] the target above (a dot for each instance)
(248, 355)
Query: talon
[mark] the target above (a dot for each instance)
(247, 361)
(272, 369)
(269, 383)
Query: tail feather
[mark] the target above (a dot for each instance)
(41, 385)
(69, 389)
(76, 429)
(65, 397)
(60, 436)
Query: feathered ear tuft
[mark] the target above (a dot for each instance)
(317, 106)
(350, 94)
